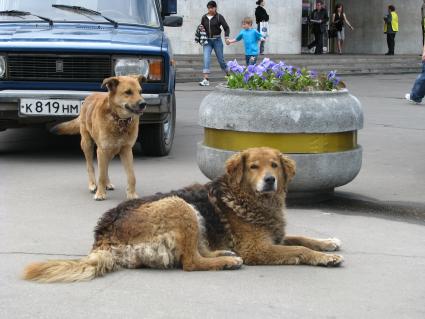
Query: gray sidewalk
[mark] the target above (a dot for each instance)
(46, 212)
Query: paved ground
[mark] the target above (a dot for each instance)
(46, 212)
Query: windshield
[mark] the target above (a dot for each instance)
(122, 11)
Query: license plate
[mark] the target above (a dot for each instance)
(55, 107)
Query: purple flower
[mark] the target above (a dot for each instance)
(251, 68)
(280, 74)
(298, 73)
(331, 75)
(313, 74)
(289, 69)
(335, 81)
(267, 64)
(247, 76)
(234, 67)
(259, 70)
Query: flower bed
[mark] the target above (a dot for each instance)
(271, 76)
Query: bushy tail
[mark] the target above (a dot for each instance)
(67, 128)
(96, 264)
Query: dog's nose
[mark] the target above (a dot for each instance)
(269, 180)
(142, 105)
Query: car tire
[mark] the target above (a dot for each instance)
(157, 139)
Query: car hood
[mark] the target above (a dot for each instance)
(80, 37)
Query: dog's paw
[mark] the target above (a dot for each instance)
(329, 260)
(110, 187)
(331, 244)
(233, 263)
(92, 188)
(99, 196)
(227, 253)
(132, 195)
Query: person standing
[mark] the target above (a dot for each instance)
(318, 18)
(250, 37)
(261, 16)
(391, 28)
(339, 19)
(423, 22)
(213, 22)
(418, 90)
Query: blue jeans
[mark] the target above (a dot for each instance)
(418, 90)
(217, 45)
(249, 61)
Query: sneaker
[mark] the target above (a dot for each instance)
(407, 97)
(204, 82)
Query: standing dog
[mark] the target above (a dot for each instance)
(202, 227)
(111, 121)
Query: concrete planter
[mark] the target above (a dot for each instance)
(317, 129)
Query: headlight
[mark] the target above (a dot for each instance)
(151, 68)
(2, 66)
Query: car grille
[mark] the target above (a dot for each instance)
(48, 67)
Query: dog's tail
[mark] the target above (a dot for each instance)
(96, 264)
(67, 128)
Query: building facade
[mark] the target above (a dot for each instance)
(289, 31)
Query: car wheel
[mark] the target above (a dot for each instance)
(157, 139)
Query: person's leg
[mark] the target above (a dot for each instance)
(341, 40)
(247, 57)
(313, 43)
(393, 43)
(218, 49)
(319, 43)
(262, 42)
(418, 90)
(207, 58)
(388, 43)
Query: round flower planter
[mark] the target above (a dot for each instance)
(317, 129)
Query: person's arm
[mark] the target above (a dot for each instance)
(237, 39)
(326, 17)
(259, 37)
(333, 18)
(423, 55)
(348, 22)
(225, 27)
(266, 17)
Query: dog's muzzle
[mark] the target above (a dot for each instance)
(268, 184)
(139, 109)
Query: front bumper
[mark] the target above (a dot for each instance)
(158, 105)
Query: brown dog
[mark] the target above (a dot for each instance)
(111, 120)
(202, 227)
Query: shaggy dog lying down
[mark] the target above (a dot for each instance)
(237, 218)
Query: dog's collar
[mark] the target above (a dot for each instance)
(122, 123)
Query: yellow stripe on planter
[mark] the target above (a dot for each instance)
(304, 143)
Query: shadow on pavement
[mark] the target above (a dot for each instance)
(354, 204)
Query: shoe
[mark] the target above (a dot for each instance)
(407, 97)
(204, 82)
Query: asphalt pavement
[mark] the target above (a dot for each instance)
(47, 212)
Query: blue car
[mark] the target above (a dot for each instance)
(53, 53)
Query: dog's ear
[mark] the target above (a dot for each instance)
(141, 78)
(110, 83)
(288, 168)
(235, 167)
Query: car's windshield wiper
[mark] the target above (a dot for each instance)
(83, 11)
(16, 13)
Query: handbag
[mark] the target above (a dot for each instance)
(333, 31)
(264, 29)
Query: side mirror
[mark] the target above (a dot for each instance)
(172, 21)
(168, 7)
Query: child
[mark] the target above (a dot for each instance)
(250, 37)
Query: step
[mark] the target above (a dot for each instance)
(189, 67)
